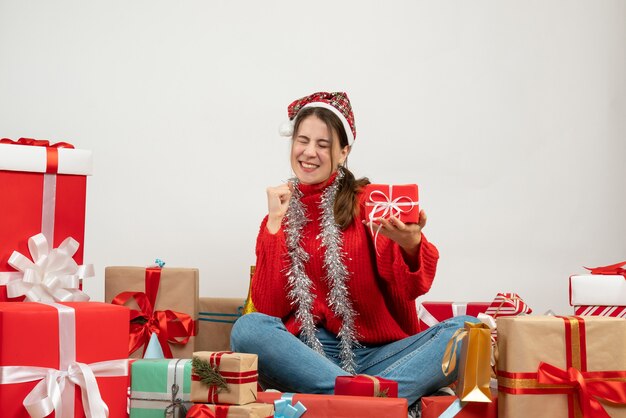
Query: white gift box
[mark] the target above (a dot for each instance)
(597, 289)
(15, 157)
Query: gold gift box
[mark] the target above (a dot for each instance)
(240, 373)
(589, 344)
(178, 292)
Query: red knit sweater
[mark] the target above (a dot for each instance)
(382, 288)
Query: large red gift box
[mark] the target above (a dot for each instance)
(43, 189)
(385, 200)
(431, 313)
(436, 406)
(41, 344)
(339, 406)
(365, 385)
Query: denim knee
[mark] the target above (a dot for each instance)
(460, 321)
(247, 330)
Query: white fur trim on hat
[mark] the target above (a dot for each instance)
(286, 128)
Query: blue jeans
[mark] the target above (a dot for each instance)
(289, 365)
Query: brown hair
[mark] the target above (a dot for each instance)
(346, 206)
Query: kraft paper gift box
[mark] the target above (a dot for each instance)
(614, 311)
(215, 321)
(160, 387)
(251, 410)
(385, 200)
(340, 406)
(43, 188)
(45, 345)
(167, 297)
(430, 313)
(233, 377)
(551, 366)
(365, 385)
(451, 406)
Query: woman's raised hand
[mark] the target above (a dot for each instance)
(277, 203)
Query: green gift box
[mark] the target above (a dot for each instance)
(160, 387)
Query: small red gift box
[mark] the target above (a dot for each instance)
(435, 406)
(431, 313)
(63, 349)
(614, 311)
(339, 406)
(385, 200)
(43, 189)
(365, 385)
(251, 410)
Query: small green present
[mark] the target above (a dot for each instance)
(160, 387)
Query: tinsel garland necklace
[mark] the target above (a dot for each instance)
(337, 274)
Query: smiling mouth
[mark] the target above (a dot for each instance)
(308, 166)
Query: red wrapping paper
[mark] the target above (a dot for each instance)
(434, 406)
(21, 211)
(339, 406)
(613, 311)
(361, 385)
(384, 200)
(29, 336)
(440, 311)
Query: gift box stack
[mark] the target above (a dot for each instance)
(602, 292)
(224, 384)
(59, 353)
(472, 348)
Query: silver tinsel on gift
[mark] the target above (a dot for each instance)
(337, 273)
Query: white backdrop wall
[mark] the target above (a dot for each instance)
(510, 115)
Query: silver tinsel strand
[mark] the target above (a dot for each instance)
(337, 273)
(337, 276)
(299, 283)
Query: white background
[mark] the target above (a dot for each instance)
(510, 115)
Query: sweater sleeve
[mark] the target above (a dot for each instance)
(269, 282)
(393, 268)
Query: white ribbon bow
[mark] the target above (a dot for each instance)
(385, 208)
(52, 276)
(46, 395)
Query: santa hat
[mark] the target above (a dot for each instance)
(336, 102)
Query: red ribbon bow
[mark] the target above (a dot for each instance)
(171, 327)
(203, 411)
(36, 143)
(52, 150)
(587, 385)
(612, 269)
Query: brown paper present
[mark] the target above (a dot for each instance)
(175, 290)
(251, 410)
(224, 377)
(552, 366)
(215, 321)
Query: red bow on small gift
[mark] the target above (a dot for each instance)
(203, 411)
(612, 269)
(171, 327)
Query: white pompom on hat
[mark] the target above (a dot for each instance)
(336, 102)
